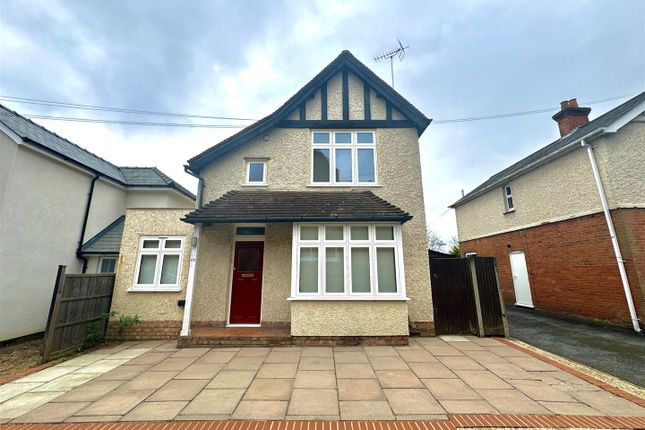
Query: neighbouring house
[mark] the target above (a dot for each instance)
(310, 222)
(567, 223)
(61, 205)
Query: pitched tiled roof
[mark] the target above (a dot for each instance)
(151, 177)
(63, 148)
(345, 59)
(551, 149)
(293, 206)
(107, 241)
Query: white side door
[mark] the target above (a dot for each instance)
(521, 279)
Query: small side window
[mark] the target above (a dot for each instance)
(108, 265)
(508, 197)
(256, 172)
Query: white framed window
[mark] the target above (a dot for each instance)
(159, 263)
(107, 264)
(357, 261)
(256, 172)
(343, 158)
(508, 198)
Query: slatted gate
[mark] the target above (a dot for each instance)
(466, 297)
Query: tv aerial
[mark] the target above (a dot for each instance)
(397, 52)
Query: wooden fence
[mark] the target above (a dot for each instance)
(79, 308)
(466, 297)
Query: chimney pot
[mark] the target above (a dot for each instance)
(571, 116)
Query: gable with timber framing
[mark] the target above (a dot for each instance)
(344, 95)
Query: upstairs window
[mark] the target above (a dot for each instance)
(256, 172)
(508, 198)
(343, 158)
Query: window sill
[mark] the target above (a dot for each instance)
(347, 185)
(347, 298)
(255, 185)
(510, 211)
(154, 290)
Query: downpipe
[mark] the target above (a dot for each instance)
(612, 234)
(88, 204)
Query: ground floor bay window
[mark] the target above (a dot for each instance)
(347, 262)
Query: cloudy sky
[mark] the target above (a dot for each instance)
(244, 58)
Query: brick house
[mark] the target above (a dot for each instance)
(544, 218)
(309, 225)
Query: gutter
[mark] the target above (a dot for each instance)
(88, 205)
(612, 234)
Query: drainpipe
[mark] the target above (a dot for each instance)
(614, 239)
(88, 204)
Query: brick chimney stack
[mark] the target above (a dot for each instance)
(571, 116)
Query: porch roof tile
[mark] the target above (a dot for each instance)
(296, 206)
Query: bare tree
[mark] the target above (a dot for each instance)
(453, 246)
(435, 242)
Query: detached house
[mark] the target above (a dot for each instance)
(61, 205)
(567, 223)
(309, 222)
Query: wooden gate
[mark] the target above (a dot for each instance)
(466, 297)
(78, 301)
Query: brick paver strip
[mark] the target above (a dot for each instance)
(610, 388)
(452, 423)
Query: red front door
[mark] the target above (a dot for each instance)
(246, 292)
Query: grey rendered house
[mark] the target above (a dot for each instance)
(310, 221)
(61, 205)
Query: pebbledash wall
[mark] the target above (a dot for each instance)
(558, 223)
(288, 168)
(159, 312)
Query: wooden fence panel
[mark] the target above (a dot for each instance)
(466, 297)
(78, 300)
(492, 309)
(452, 296)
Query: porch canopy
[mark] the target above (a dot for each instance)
(296, 206)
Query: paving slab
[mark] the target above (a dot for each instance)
(315, 379)
(365, 410)
(176, 390)
(150, 358)
(66, 382)
(49, 374)
(460, 363)
(313, 402)
(450, 389)
(283, 356)
(261, 410)
(244, 363)
(190, 352)
(278, 370)
(89, 392)
(155, 411)
(200, 371)
(431, 370)
(415, 356)
(24, 403)
(360, 389)
(608, 403)
(570, 408)
(537, 390)
(388, 363)
(316, 363)
(217, 356)
(350, 357)
(412, 402)
(354, 370)
(513, 402)
(253, 352)
(13, 389)
(232, 379)
(148, 380)
(381, 351)
(269, 389)
(317, 351)
(398, 379)
(116, 403)
(482, 379)
(125, 372)
(214, 402)
(175, 364)
(468, 407)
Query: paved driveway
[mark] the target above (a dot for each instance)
(428, 379)
(619, 352)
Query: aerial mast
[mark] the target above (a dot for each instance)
(397, 52)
